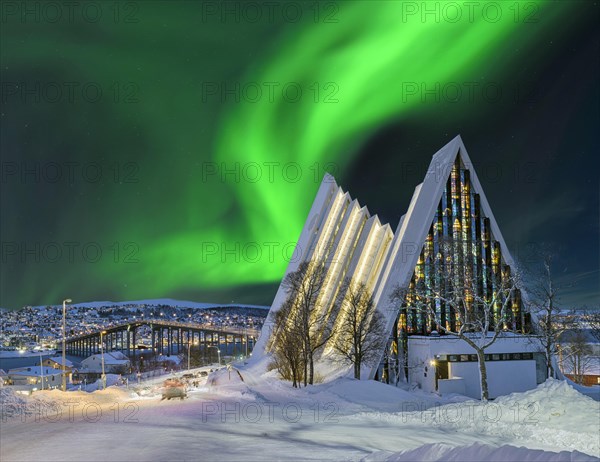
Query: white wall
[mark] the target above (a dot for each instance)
(455, 385)
(50, 380)
(420, 371)
(94, 363)
(504, 377)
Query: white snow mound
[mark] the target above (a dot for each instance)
(554, 414)
(478, 452)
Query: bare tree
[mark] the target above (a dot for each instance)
(361, 329)
(305, 316)
(287, 345)
(592, 319)
(479, 318)
(545, 306)
(577, 356)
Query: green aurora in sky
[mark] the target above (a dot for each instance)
(190, 223)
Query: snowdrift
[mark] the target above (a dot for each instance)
(554, 414)
(479, 452)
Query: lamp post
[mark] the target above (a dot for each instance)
(103, 378)
(218, 352)
(42, 370)
(64, 348)
(188, 353)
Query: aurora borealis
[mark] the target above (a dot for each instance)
(192, 173)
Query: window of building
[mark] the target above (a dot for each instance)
(487, 357)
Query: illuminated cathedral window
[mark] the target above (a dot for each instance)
(466, 252)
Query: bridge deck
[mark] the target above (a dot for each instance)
(172, 324)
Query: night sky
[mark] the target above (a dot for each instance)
(173, 149)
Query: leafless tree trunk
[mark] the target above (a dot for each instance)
(545, 306)
(310, 322)
(287, 345)
(592, 320)
(577, 357)
(304, 288)
(360, 330)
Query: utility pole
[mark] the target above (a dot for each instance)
(64, 346)
(188, 353)
(102, 350)
(42, 370)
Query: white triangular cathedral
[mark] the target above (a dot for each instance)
(449, 204)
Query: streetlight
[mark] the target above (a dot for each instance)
(64, 352)
(42, 370)
(188, 353)
(103, 378)
(218, 352)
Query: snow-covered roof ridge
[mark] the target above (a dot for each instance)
(329, 180)
(59, 360)
(34, 370)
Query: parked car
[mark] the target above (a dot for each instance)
(173, 388)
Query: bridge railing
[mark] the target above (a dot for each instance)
(227, 330)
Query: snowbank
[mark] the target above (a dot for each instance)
(592, 392)
(10, 403)
(479, 452)
(554, 414)
(267, 419)
(47, 402)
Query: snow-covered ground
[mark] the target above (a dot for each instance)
(25, 354)
(262, 418)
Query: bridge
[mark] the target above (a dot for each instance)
(167, 337)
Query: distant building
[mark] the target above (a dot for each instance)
(590, 375)
(36, 377)
(115, 362)
(57, 363)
